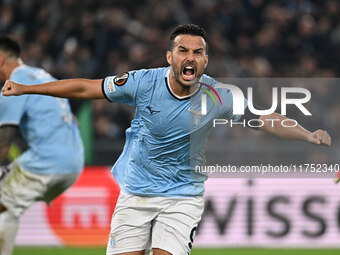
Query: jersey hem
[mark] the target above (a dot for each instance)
(3, 124)
(162, 194)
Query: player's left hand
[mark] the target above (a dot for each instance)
(320, 137)
(12, 88)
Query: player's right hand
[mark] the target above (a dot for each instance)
(12, 89)
(320, 137)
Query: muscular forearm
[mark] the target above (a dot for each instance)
(294, 131)
(273, 125)
(73, 88)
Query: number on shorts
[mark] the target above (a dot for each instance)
(192, 235)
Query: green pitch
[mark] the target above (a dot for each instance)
(248, 251)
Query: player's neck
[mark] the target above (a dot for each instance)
(11, 65)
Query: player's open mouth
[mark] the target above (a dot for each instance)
(188, 73)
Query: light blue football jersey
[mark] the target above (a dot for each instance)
(166, 138)
(46, 124)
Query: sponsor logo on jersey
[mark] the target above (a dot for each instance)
(121, 79)
(152, 111)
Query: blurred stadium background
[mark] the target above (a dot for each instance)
(247, 38)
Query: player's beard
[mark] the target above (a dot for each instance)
(178, 72)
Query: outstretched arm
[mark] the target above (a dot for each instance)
(319, 137)
(73, 88)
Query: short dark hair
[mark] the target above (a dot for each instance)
(188, 29)
(10, 46)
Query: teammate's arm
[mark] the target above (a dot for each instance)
(7, 134)
(73, 88)
(319, 137)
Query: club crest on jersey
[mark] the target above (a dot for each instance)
(121, 79)
(196, 117)
(110, 85)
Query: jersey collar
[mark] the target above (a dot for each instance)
(167, 82)
(21, 64)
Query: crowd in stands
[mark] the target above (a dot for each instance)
(247, 39)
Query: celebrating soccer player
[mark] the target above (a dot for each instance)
(161, 199)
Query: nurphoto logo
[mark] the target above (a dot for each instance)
(239, 104)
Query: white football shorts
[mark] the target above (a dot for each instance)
(142, 223)
(23, 188)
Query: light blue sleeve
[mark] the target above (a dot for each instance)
(12, 109)
(123, 87)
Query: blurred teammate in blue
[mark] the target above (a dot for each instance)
(161, 199)
(54, 158)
